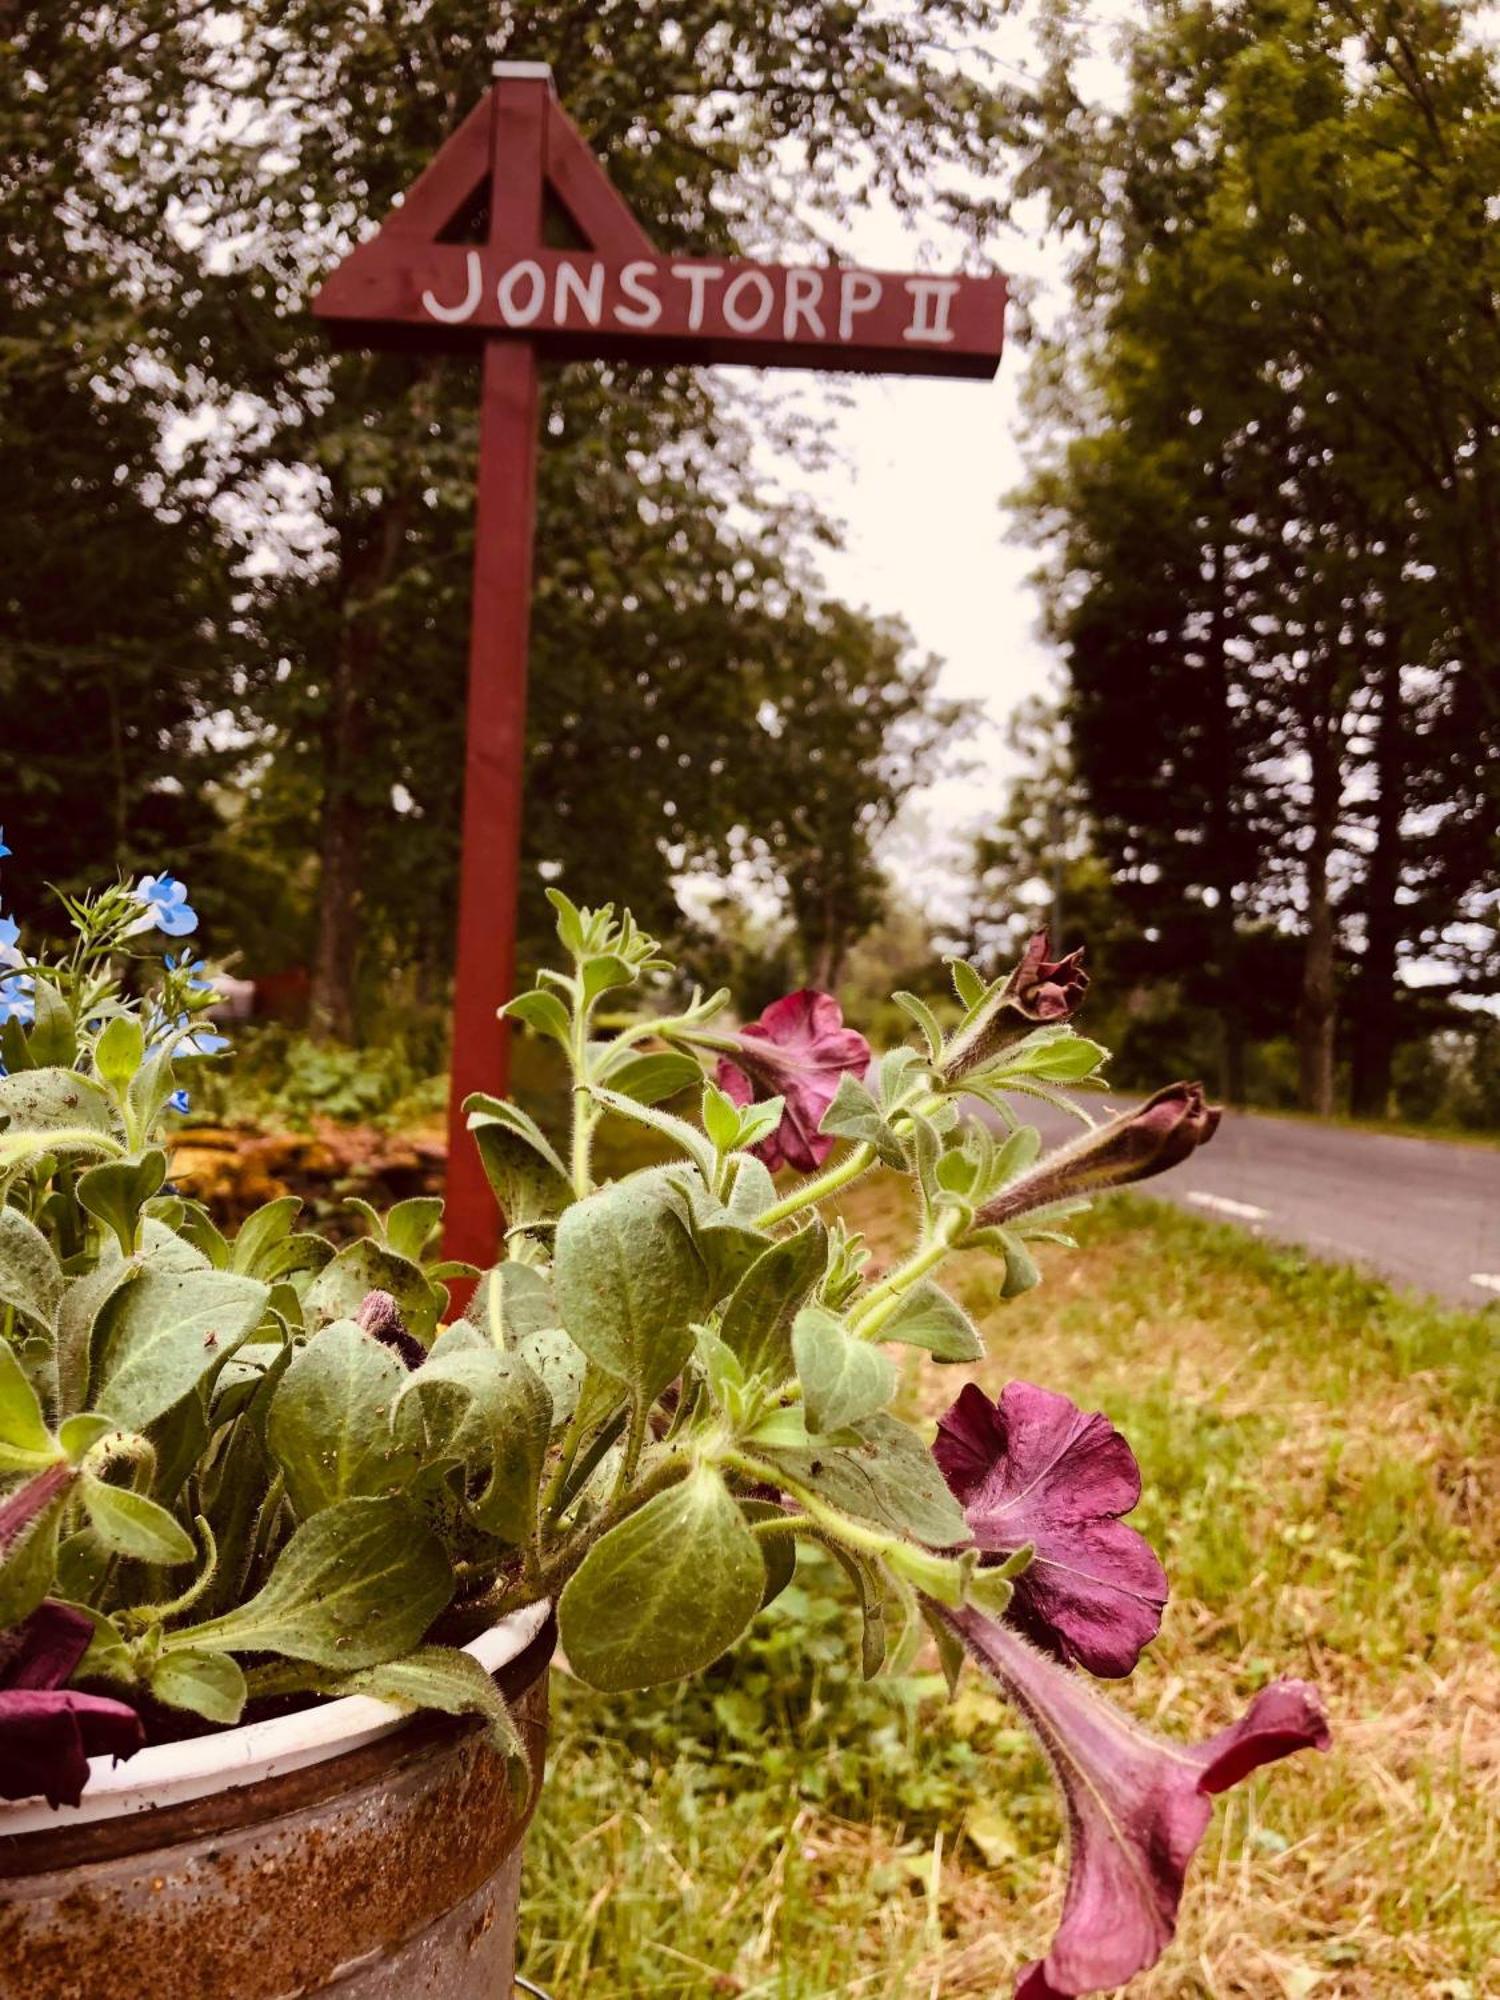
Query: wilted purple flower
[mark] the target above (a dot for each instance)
(1138, 1805)
(48, 1732)
(1033, 1468)
(1039, 993)
(165, 906)
(1161, 1133)
(798, 1050)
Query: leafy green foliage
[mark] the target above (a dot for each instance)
(265, 1466)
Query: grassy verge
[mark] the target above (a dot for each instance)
(1319, 1458)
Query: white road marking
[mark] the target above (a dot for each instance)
(1242, 1211)
(1490, 1280)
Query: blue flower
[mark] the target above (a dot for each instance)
(4, 850)
(197, 980)
(16, 1003)
(166, 906)
(10, 932)
(179, 1102)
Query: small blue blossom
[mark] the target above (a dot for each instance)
(10, 932)
(166, 906)
(179, 1102)
(4, 850)
(16, 1003)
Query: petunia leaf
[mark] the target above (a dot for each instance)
(844, 1379)
(666, 1592)
(629, 1283)
(358, 1583)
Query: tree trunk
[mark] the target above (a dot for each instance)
(369, 555)
(1316, 1014)
(1222, 845)
(1375, 1023)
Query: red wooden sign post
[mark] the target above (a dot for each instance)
(519, 302)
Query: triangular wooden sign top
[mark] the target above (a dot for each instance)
(469, 166)
(516, 158)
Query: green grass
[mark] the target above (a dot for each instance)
(1319, 1457)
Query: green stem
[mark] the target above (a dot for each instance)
(879, 1305)
(634, 1441)
(820, 1187)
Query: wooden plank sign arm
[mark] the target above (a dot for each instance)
(516, 301)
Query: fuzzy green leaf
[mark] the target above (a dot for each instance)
(116, 1191)
(357, 1584)
(490, 1413)
(26, 1444)
(329, 1425)
(927, 1317)
(666, 1592)
(629, 1283)
(757, 1326)
(340, 1287)
(164, 1332)
(844, 1379)
(205, 1683)
(130, 1524)
(31, 1278)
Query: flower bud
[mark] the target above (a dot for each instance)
(1163, 1132)
(380, 1316)
(1039, 993)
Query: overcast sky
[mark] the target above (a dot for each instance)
(918, 478)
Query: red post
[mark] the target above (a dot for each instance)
(495, 760)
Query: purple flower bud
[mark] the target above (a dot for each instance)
(798, 1050)
(1161, 1133)
(380, 1316)
(22, 1508)
(1138, 1805)
(1033, 1468)
(1039, 993)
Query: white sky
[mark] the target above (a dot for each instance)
(917, 477)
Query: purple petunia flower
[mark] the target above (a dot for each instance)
(1138, 1805)
(48, 1732)
(1041, 992)
(165, 906)
(1033, 1468)
(797, 1050)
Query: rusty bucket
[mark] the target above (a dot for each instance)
(385, 1864)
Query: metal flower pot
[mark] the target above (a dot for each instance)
(344, 1850)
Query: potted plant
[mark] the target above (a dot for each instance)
(264, 1497)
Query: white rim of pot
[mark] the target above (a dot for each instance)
(169, 1774)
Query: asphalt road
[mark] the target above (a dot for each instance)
(1424, 1213)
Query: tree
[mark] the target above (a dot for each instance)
(1265, 571)
(112, 586)
(254, 155)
